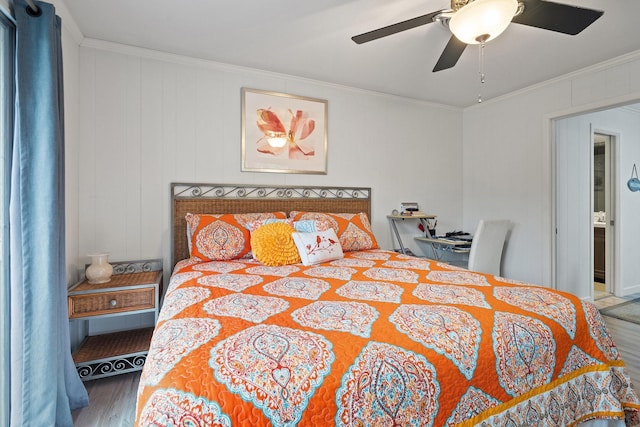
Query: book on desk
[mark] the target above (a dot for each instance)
(455, 241)
(461, 240)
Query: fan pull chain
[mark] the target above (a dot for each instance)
(481, 70)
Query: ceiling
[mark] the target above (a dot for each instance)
(312, 39)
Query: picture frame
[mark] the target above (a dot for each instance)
(283, 133)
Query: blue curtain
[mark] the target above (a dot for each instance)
(45, 386)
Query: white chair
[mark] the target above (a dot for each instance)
(486, 247)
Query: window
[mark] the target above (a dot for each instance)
(7, 57)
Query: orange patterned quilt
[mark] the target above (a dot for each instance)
(375, 339)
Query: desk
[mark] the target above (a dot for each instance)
(393, 218)
(445, 245)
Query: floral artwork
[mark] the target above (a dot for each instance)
(300, 127)
(283, 133)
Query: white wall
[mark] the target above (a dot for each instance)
(148, 119)
(508, 164)
(628, 250)
(71, 38)
(71, 51)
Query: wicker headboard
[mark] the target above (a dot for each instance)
(231, 198)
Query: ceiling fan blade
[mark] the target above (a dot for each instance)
(562, 18)
(452, 52)
(395, 28)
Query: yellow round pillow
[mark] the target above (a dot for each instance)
(273, 245)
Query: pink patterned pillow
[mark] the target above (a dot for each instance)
(255, 224)
(223, 236)
(303, 226)
(318, 247)
(353, 230)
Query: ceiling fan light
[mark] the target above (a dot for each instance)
(482, 20)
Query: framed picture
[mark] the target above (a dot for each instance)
(283, 133)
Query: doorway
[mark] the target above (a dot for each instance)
(603, 193)
(575, 201)
(572, 139)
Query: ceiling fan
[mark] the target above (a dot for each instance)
(478, 21)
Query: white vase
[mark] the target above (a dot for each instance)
(100, 270)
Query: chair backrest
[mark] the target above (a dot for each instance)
(486, 248)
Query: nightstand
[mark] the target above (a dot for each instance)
(135, 287)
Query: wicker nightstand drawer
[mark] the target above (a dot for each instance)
(111, 302)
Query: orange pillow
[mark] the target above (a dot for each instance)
(273, 245)
(353, 230)
(222, 236)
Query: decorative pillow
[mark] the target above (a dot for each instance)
(353, 230)
(318, 247)
(222, 236)
(245, 218)
(254, 225)
(310, 225)
(304, 226)
(273, 245)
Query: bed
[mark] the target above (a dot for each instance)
(368, 337)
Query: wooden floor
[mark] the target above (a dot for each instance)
(113, 400)
(625, 334)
